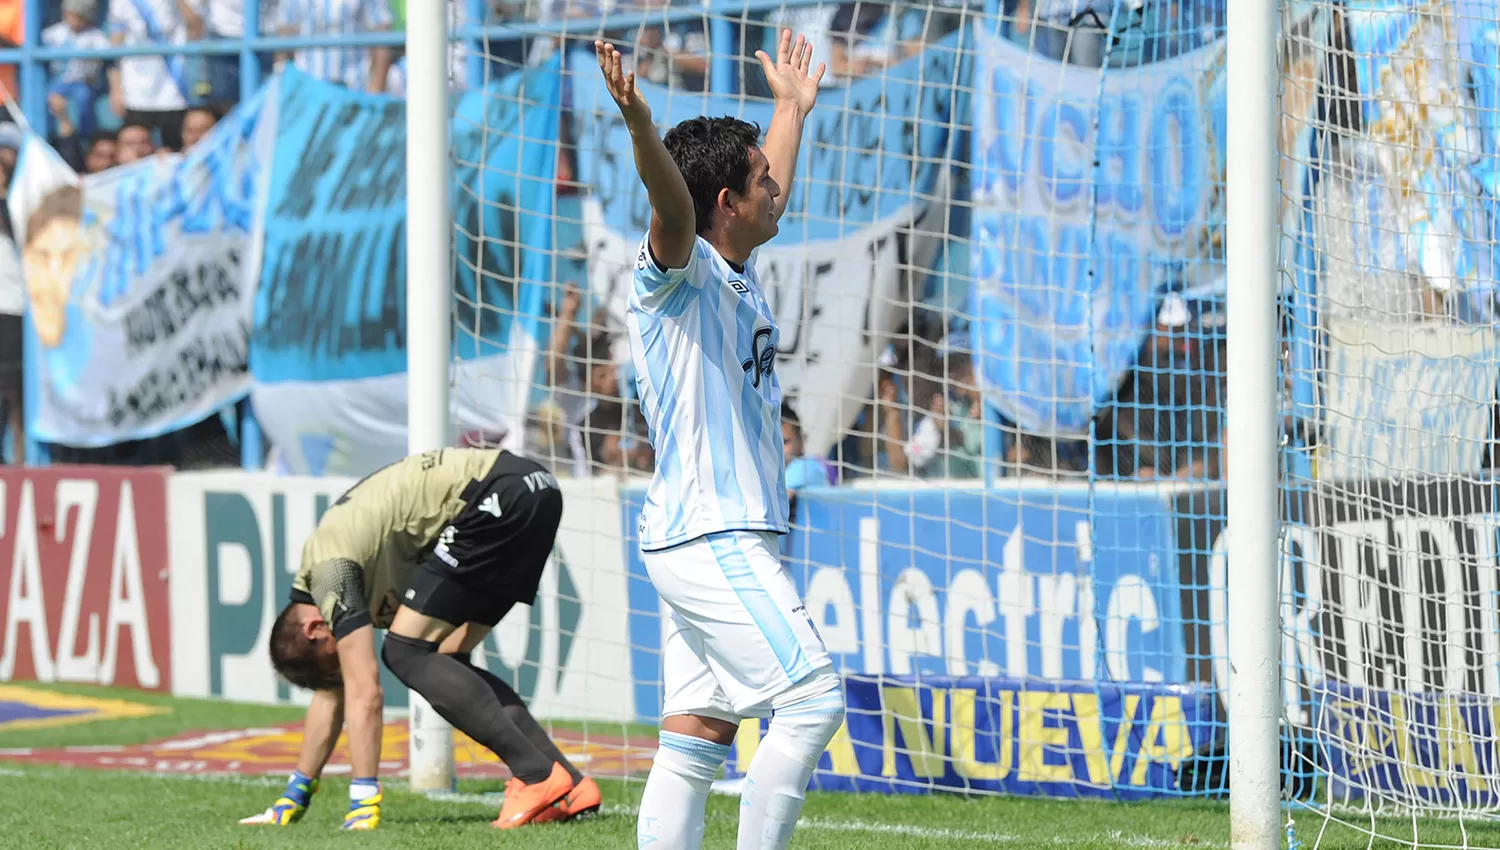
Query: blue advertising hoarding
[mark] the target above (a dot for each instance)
(1028, 639)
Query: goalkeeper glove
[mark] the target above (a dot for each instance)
(364, 804)
(291, 806)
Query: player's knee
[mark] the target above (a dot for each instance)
(406, 656)
(807, 717)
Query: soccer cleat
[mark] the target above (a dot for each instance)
(584, 799)
(524, 802)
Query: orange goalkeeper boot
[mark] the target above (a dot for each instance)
(584, 799)
(524, 802)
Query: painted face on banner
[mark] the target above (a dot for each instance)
(49, 262)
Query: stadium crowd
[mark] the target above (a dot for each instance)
(923, 416)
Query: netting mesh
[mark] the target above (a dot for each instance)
(1388, 573)
(1000, 291)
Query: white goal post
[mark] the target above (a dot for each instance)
(1001, 290)
(1252, 234)
(429, 306)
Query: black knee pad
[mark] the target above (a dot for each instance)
(405, 656)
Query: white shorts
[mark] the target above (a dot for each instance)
(738, 633)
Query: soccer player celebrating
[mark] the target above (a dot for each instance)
(740, 642)
(437, 548)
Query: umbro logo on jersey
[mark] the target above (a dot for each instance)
(491, 505)
(739, 286)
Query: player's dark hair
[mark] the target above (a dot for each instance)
(294, 657)
(64, 202)
(713, 154)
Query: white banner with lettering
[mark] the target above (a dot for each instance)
(1407, 400)
(140, 283)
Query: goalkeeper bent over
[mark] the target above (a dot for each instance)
(436, 548)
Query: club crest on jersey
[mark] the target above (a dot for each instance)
(762, 359)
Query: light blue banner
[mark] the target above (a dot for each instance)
(1093, 190)
(884, 139)
(139, 283)
(328, 353)
(332, 302)
(1435, 218)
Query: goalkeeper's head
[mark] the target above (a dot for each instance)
(303, 649)
(729, 179)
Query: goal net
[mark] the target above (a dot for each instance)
(1388, 572)
(1000, 294)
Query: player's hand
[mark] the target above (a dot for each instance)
(364, 814)
(290, 806)
(621, 86)
(788, 76)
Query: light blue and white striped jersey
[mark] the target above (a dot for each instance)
(87, 71)
(150, 83)
(704, 346)
(349, 66)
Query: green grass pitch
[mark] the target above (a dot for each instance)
(54, 807)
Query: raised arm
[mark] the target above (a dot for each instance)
(673, 224)
(795, 92)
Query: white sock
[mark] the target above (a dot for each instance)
(676, 794)
(776, 783)
(771, 800)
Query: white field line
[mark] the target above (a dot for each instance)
(1114, 838)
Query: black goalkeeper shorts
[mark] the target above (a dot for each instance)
(491, 556)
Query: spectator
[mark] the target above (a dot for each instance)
(134, 143)
(1166, 419)
(196, 123)
(584, 376)
(586, 12)
(890, 416)
(355, 67)
(500, 56)
(611, 445)
(75, 83)
(674, 55)
(215, 80)
(12, 32)
(802, 470)
(150, 91)
(101, 153)
(12, 304)
(853, 38)
(11, 139)
(867, 37)
(948, 441)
